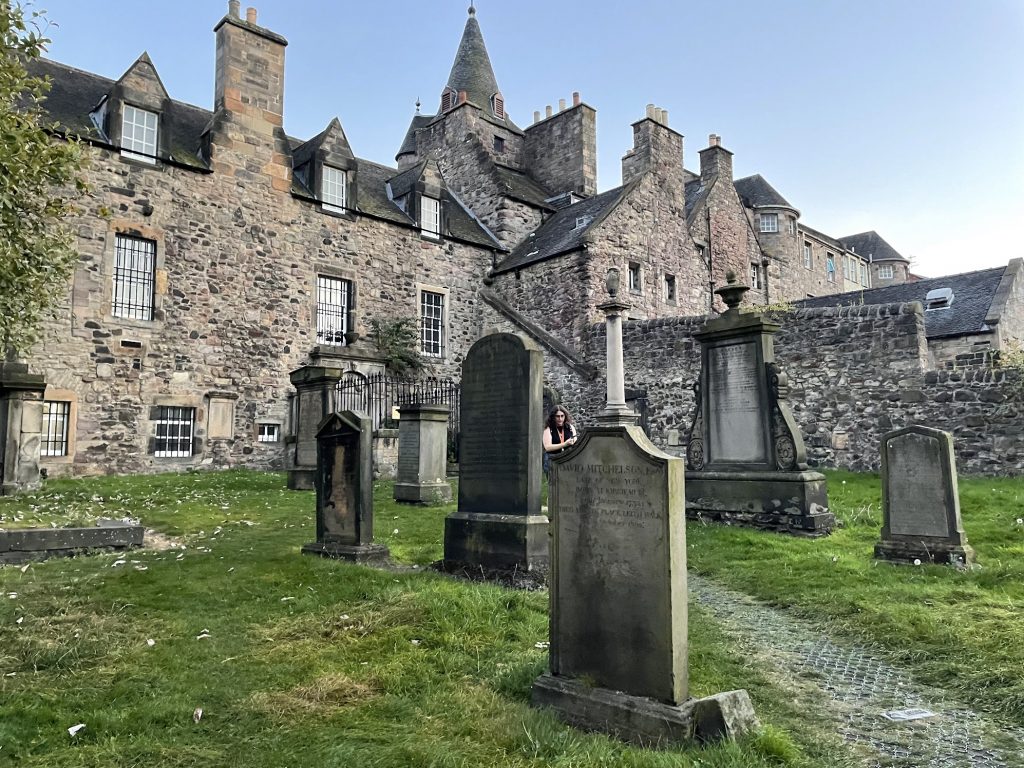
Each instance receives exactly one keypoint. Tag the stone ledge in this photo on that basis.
(940, 552)
(42, 543)
(353, 553)
(643, 721)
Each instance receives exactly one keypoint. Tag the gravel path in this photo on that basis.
(855, 688)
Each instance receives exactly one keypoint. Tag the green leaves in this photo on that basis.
(397, 339)
(40, 176)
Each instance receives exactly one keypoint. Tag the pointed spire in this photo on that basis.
(472, 70)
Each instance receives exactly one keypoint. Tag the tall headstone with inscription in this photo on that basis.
(423, 454)
(344, 490)
(746, 458)
(499, 524)
(920, 502)
(618, 631)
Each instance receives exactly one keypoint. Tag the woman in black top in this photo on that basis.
(559, 433)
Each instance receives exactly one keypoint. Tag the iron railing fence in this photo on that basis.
(380, 395)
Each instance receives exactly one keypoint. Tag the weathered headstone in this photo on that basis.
(618, 626)
(423, 454)
(21, 419)
(746, 456)
(920, 501)
(344, 490)
(498, 524)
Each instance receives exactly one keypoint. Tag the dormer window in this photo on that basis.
(582, 221)
(99, 117)
(430, 216)
(885, 271)
(498, 105)
(769, 222)
(139, 134)
(334, 189)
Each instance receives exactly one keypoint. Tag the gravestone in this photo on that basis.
(920, 501)
(617, 585)
(344, 490)
(21, 420)
(423, 454)
(498, 524)
(746, 458)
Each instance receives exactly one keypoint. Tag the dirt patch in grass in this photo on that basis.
(322, 696)
(159, 541)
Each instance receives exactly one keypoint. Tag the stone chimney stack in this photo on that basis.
(561, 148)
(656, 147)
(715, 160)
(250, 68)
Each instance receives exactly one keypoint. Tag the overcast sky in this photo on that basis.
(900, 116)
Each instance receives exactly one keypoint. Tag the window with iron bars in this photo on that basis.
(134, 271)
(174, 427)
(432, 339)
(56, 416)
(333, 300)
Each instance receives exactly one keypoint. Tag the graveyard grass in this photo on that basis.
(296, 660)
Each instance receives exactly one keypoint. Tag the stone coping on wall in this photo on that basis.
(41, 543)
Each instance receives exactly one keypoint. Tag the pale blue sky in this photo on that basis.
(901, 116)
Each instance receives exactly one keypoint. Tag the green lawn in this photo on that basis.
(300, 661)
(961, 630)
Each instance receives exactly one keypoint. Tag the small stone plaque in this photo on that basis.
(736, 404)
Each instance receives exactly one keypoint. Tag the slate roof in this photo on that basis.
(822, 236)
(755, 192)
(694, 192)
(559, 234)
(523, 187)
(409, 142)
(871, 244)
(74, 94)
(972, 297)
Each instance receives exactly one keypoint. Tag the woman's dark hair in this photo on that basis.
(554, 412)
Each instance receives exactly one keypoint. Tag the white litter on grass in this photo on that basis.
(197, 714)
(902, 715)
(394, 532)
(20, 619)
(116, 563)
(25, 567)
(12, 595)
(415, 642)
(141, 567)
(75, 729)
(204, 635)
(541, 645)
(151, 642)
(286, 599)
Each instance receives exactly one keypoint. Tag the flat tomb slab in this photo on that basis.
(644, 721)
(40, 543)
(793, 502)
(353, 553)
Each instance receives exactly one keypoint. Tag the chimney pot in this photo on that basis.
(664, 117)
(547, 111)
(575, 98)
(651, 112)
(234, 6)
(536, 115)
(250, 15)
(561, 105)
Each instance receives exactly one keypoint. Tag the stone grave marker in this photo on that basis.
(498, 524)
(746, 458)
(423, 454)
(618, 626)
(344, 490)
(920, 501)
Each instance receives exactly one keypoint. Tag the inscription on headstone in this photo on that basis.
(736, 411)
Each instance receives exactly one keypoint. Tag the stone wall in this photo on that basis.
(855, 373)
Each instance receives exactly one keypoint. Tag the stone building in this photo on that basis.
(220, 256)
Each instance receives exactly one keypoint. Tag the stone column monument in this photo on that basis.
(746, 458)
(344, 490)
(423, 454)
(618, 626)
(498, 525)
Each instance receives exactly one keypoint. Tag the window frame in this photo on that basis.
(634, 277)
(48, 434)
(671, 293)
(808, 251)
(170, 446)
(330, 287)
(885, 272)
(272, 434)
(138, 147)
(436, 346)
(755, 277)
(330, 200)
(434, 212)
(126, 280)
(830, 267)
(769, 223)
